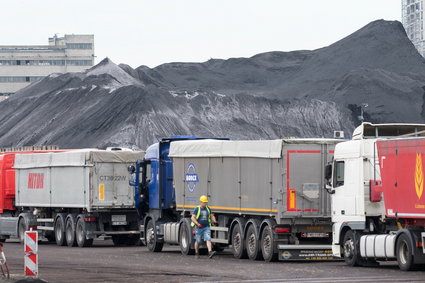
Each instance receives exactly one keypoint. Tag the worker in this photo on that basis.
(202, 219)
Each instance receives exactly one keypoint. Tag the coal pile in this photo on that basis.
(270, 95)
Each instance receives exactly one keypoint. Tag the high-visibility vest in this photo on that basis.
(199, 214)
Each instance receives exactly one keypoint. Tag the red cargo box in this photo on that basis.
(7, 178)
(402, 174)
(7, 182)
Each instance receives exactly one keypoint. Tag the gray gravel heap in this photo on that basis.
(270, 95)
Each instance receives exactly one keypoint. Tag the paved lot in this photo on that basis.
(105, 263)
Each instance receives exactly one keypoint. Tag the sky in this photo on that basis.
(142, 32)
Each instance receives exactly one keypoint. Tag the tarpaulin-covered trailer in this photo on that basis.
(282, 178)
(75, 196)
(273, 186)
(93, 180)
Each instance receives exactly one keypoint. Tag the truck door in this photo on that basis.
(346, 185)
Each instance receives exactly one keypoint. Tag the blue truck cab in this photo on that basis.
(154, 192)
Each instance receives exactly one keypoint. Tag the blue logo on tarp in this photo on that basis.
(191, 177)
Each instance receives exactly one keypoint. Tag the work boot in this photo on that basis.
(211, 254)
(197, 255)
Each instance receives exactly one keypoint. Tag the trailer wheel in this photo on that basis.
(238, 245)
(185, 239)
(80, 233)
(351, 249)
(70, 231)
(267, 244)
(22, 227)
(60, 230)
(404, 253)
(252, 243)
(152, 238)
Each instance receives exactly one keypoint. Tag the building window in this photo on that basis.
(79, 62)
(19, 79)
(79, 45)
(32, 62)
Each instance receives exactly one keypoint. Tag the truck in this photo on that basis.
(376, 183)
(69, 197)
(267, 195)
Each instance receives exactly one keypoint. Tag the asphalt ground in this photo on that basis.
(106, 263)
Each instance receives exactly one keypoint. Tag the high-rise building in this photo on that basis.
(413, 21)
(22, 65)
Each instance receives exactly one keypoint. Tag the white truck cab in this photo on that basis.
(357, 209)
(353, 169)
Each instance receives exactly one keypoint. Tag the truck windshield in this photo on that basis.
(339, 174)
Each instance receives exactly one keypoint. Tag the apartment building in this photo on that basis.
(21, 65)
(412, 16)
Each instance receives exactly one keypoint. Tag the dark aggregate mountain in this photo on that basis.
(270, 95)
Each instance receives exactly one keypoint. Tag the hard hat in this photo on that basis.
(203, 199)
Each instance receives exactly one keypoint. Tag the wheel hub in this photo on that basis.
(150, 236)
(349, 248)
(184, 239)
(251, 242)
(237, 241)
(267, 244)
(403, 253)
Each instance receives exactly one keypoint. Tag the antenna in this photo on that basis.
(361, 117)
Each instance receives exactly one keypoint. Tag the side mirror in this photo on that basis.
(328, 172)
(329, 189)
(131, 169)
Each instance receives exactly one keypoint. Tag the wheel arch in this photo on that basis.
(256, 223)
(28, 218)
(409, 235)
(242, 223)
(185, 221)
(267, 222)
(355, 225)
(146, 221)
(59, 215)
(73, 217)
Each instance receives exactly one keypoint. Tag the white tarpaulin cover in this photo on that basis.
(75, 158)
(224, 148)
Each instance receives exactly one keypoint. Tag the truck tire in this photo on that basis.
(81, 234)
(152, 238)
(351, 249)
(60, 230)
(185, 238)
(22, 227)
(404, 253)
(267, 244)
(252, 242)
(238, 242)
(70, 231)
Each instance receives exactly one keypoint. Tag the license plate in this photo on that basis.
(119, 220)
